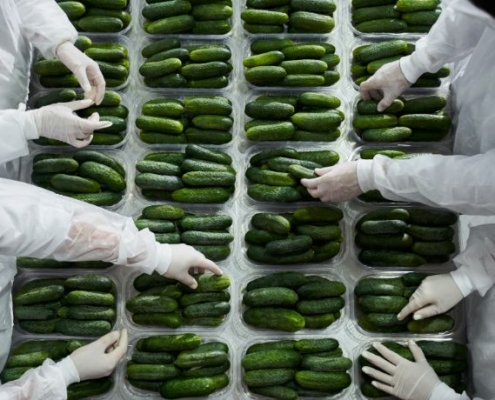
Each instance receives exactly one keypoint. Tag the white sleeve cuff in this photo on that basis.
(411, 71)
(462, 280)
(30, 129)
(444, 392)
(68, 371)
(365, 175)
(164, 257)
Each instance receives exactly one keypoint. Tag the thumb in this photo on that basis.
(385, 103)
(109, 339)
(78, 104)
(188, 280)
(426, 312)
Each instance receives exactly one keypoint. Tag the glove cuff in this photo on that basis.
(69, 371)
(31, 126)
(409, 68)
(443, 392)
(365, 175)
(66, 44)
(163, 258)
(462, 280)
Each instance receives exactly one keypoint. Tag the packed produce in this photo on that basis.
(289, 369)
(46, 263)
(169, 63)
(291, 301)
(283, 62)
(380, 299)
(198, 175)
(168, 303)
(405, 237)
(308, 117)
(178, 366)
(81, 305)
(85, 175)
(196, 119)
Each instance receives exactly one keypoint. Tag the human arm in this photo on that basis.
(47, 27)
(95, 360)
(39, 223)
(459, 183)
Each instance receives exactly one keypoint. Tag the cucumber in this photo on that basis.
(326, 364)
(274, 318)
(426, 122)
(383, 25)
(265, 75)
(320, 233)
(320, 306)
(276, 392)
(319, 321)
(152, 358)
(318, 290)
(89, 298)
(161, 10)
(160, 343)
(170, 25)
(378, 286)
(271, 359)
(94, 282)
(196, 358)
(279, 279)
(298, 244)
(421, 17)
(434, 218)
(258, 254)
(39, 295)
(307, 346)
(381, 304)
(439, 323)
(208, 297)
(83, 328)
(158, 167)
(206, 222)
(268, 346)
(152, 304)
(201, 195)
(373, 13)
(311, 22)
(187, 387)
(104, 175)
(443, 367)
(274, 57)
(262, 377)
(443, 350)
(152, 372)
(264, 17)
(274, 296)
(171, 320)
(277, 131)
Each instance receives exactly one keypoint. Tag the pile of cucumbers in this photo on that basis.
(85, 175)
(178, 366)
(380, 299)
(369, 58)
(197, 17)
(309, 117)
(299, 16)
(405, 237)
(291, 301)
(282, 62)
(207, 233)
(275, 173)
(112, 58)
(395, 16)
(308, 234)
(200, 175)
(170, 64)
(111, 109)
(196, 119)
(448, 359)
(374, 196)
(289, 369)
(97, 16)
(32, 353)
(416, 120)
(168, 303)
(82, 305)
(46, 263)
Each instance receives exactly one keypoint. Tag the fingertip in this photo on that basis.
(417, 317)
(374, 383)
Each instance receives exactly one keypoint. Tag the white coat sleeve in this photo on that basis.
(476, 264)
(48, 381)
(451, 39)
(443, 392)
(45, 25)
(15, 130)
(459, 183)
(39, 223)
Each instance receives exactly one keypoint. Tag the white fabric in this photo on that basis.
(465, 35)
(444, 392)
(48, 381)
(408, 380)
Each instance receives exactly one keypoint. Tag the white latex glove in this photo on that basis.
(99, 359)
(85, 69)
(58, 121)
(185, 257)
(436, 295)
(334, 184)
(386, 85)
(399, 377)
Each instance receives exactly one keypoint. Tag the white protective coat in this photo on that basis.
(43, 24)
(465, 36)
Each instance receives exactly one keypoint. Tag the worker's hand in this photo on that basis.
(99, 359)
(85, 69)
(436, 295)
(334, 184)
(58, 121)
(399, 377)
(185, 257)
(386, 85)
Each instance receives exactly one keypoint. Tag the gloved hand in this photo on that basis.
(402, 378)
(99, 359)
(436, 294)
(58, 121)
(185, 257)
(386, 85)
(85, 69)
(334, 184)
